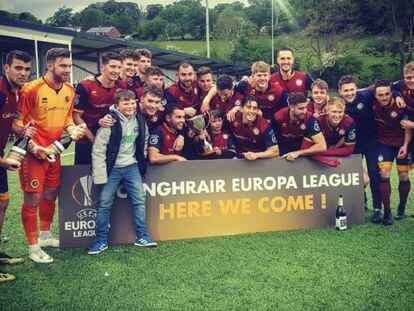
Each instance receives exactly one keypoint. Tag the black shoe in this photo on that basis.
(400, 214)
(387, 219)
(376, 217)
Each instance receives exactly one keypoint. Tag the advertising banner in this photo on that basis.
(193, 199)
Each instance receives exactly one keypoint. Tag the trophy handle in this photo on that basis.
(207, 117)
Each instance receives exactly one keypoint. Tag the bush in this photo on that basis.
(346, 65)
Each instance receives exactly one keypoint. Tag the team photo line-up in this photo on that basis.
(126, 116)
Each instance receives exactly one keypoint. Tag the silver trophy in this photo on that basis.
(198, 124)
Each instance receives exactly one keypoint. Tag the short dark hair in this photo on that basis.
(153, 90)
(382, 83)
(285, 49)
(16, 54)
(184, 64)
(122, 94)
(54, 53)
(108, 56)
(216, 113)
(143, 52)
(153, 71)
(249, 98)
(171, 107)
(129, 53)
(203, 71)
(224, 82)
(346, 80)
(296, 98)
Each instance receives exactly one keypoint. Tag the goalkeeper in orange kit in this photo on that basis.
(48, 103)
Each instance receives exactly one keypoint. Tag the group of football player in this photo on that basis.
(286, 114)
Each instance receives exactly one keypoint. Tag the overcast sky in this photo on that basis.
(45, 8)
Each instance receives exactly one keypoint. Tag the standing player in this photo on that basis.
(294, 125)
(149, 106)
(253, 136)
(185, 91)
(153, 76)
(204, 81)
(17, 71)
(144, 61)
(290, 80)
(319, 97)
(393, 144)
(48, 102)
(93, 99)
(270, 97)
(161, 149)
(129, 69)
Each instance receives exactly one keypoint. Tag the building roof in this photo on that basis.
(101, 29)
(86, 46)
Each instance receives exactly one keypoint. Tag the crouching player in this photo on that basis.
(394, 142)
(118, 155)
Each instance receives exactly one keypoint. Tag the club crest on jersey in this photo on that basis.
(270, 97)
(67, 99)
(34, 183)
(153, 140)
(393, 114)
(154, 119)
(256, 131)
(181, 98)
(299, 82)
(225, 136)
(237, 102)
(360, 106)
(195, 91)
(341, 132)
(380, 158)
(303, 127)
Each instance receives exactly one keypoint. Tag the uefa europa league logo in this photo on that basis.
(82, 191)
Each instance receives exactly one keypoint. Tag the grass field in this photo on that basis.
(368, 267)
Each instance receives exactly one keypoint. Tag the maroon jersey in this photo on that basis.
(388, 120)
(290, 133)
(408, 96)
(93, 101)
(346, 129)
(255, 137)
(156, 120)
(8, 111)
(162, 139)
(133, 85)
(299, 82)
(311, 107)
(176, 94)
(223, 140)
(271, 100)
(235, 100)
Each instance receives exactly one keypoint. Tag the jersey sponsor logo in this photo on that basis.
(154, 119)
(256, 131)
(316, 127)
(44, 100)
(303, 127)
(393, 114)
(352, 135)
(341, 132)
(360, 106)
(270, 97)
(10, 115)
(153, 140)
(380, 158)
(299, 82)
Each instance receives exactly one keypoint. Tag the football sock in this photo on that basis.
(385, 190)
(46, 212)
(29, 219)
(404, 189)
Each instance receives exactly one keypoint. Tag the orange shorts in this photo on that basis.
(36, 174)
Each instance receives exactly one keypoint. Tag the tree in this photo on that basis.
(153, 10)
(328, 24)
(28, 17)
(61, 18)
(91, 17)
(152, 29)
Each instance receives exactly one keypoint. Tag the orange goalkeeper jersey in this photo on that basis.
(50, 109)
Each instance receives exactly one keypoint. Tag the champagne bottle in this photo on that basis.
(19, 149)
(60, 145)
(341, 221)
